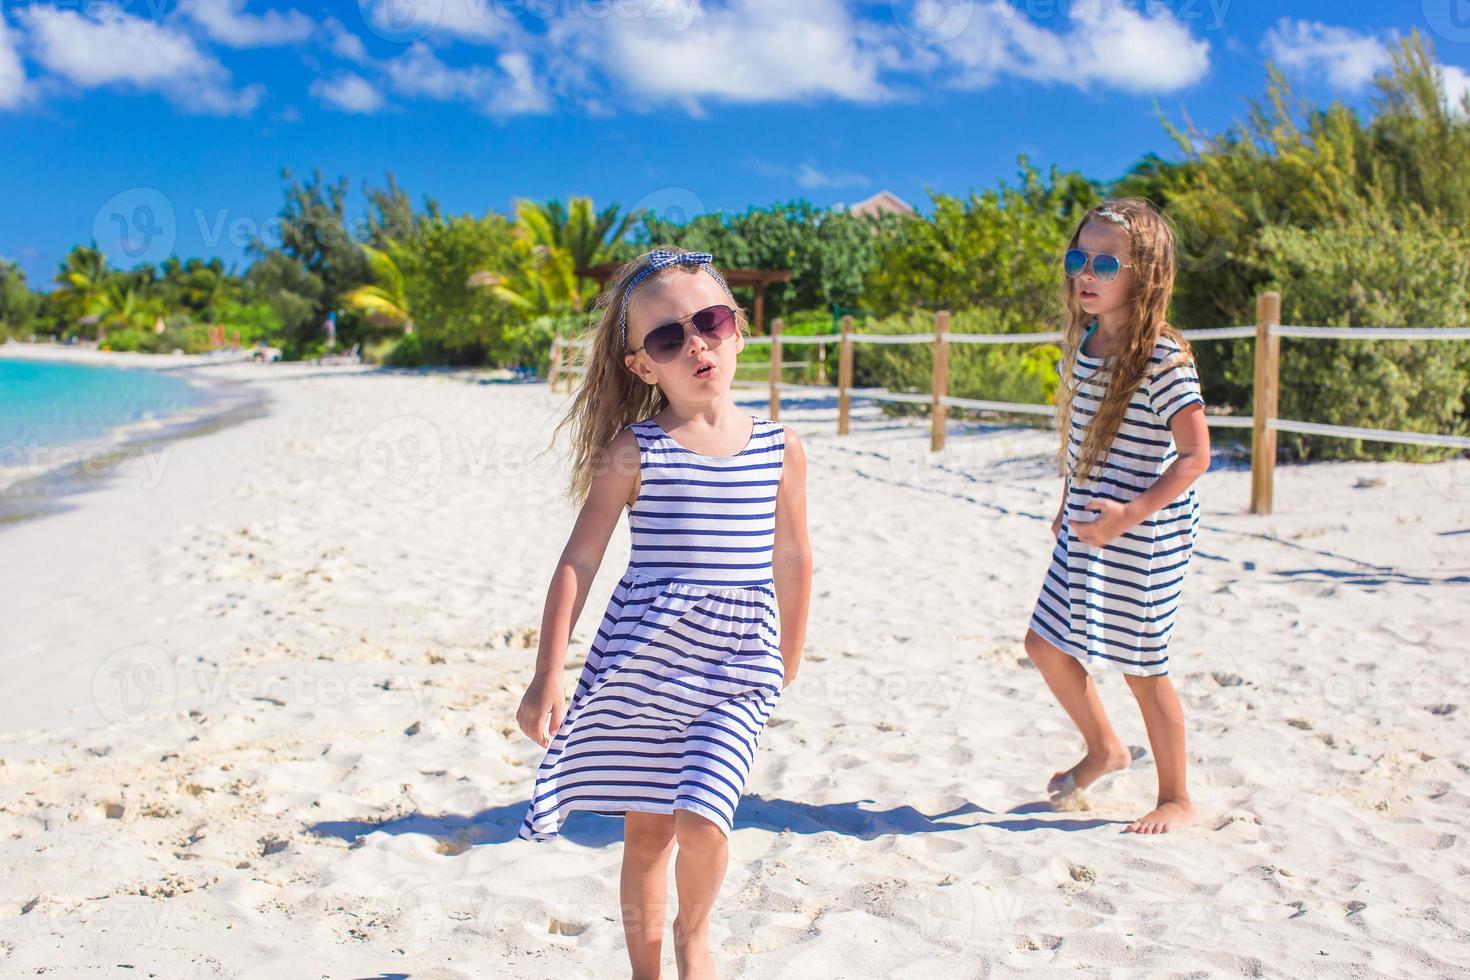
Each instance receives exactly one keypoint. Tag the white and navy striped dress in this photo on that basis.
(686, 666)
(1115, 606)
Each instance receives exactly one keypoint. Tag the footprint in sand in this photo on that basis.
(1036, 944)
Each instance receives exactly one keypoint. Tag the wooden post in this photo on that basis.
(939, 413)
(844, 376)
(776, 326)
(760, 308)
(555, 360)
(1263, 437)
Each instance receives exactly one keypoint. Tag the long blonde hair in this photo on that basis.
(610, 396)
(1151, 252)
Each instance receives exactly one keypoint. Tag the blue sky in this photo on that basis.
(161, 126)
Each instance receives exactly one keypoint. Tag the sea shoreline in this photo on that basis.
(35, 489)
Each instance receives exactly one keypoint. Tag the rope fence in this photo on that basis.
(1264, 424)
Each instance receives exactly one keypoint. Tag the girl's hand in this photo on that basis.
(790, 664)
(1112, 520)
(1056, 525)
(541, 701)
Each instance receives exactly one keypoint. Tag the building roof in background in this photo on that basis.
(881, 202)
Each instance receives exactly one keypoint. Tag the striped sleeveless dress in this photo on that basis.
(686, 666)
(1115, 606)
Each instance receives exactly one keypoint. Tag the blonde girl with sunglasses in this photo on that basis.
(1133, 442)
(705, 628)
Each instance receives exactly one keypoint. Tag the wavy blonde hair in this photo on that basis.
(610, 396)
(1151, 252)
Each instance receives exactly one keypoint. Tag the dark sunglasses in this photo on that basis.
(1104, 266)
(664, 342)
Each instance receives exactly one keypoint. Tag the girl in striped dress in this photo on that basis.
(705, 628)
(1134, 440)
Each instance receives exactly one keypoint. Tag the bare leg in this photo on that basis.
(648, 840)
(1074, 689)
(1163, 716)
(699, 870)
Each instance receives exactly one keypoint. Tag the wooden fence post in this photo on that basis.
(555, 360)
(844, 377)
(939, 413)
(1267, 387)
(775, 411)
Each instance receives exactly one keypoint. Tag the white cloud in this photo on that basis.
(739, 51)
(1107, 42)
(522, 91)
(509, 88)
(418, 71)
(1456, 82)
(344, 43)
(809, 176)
(1349, 59)
(112, 48)
(349, 93)
(225, 21)
(13, 87)
(625, 55)
(472, 20)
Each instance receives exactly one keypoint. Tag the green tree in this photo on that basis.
(443, 268)
(315, 233)
(996, 250)
(551, 242)
(18, 304)
(829, 253)
(82, 279)
(386, 298)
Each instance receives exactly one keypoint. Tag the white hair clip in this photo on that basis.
(1112, 215)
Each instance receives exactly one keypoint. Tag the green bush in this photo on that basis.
(993, 372)
(134, 339)
(408, 352)
(1370, 271)
(528, 343)
(754, 362)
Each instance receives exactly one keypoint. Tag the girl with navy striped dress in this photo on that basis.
(705, 628)
(1133, 442)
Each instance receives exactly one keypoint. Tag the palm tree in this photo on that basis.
(386, 298)
(202, 285)
(82, 280)
(552, 242)
(123, 305)
(541, 280)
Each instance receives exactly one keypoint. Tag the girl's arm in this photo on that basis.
(791, 558)
(543, 705)
(1192, 441)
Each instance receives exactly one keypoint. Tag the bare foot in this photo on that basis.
(1167, 816)
(1114, 758)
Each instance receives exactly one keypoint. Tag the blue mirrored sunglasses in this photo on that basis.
(1104, 266)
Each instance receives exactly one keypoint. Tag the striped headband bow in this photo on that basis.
(662, 258)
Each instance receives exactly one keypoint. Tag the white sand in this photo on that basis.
(286, 656)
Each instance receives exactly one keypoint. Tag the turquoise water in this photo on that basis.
(46, 403)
